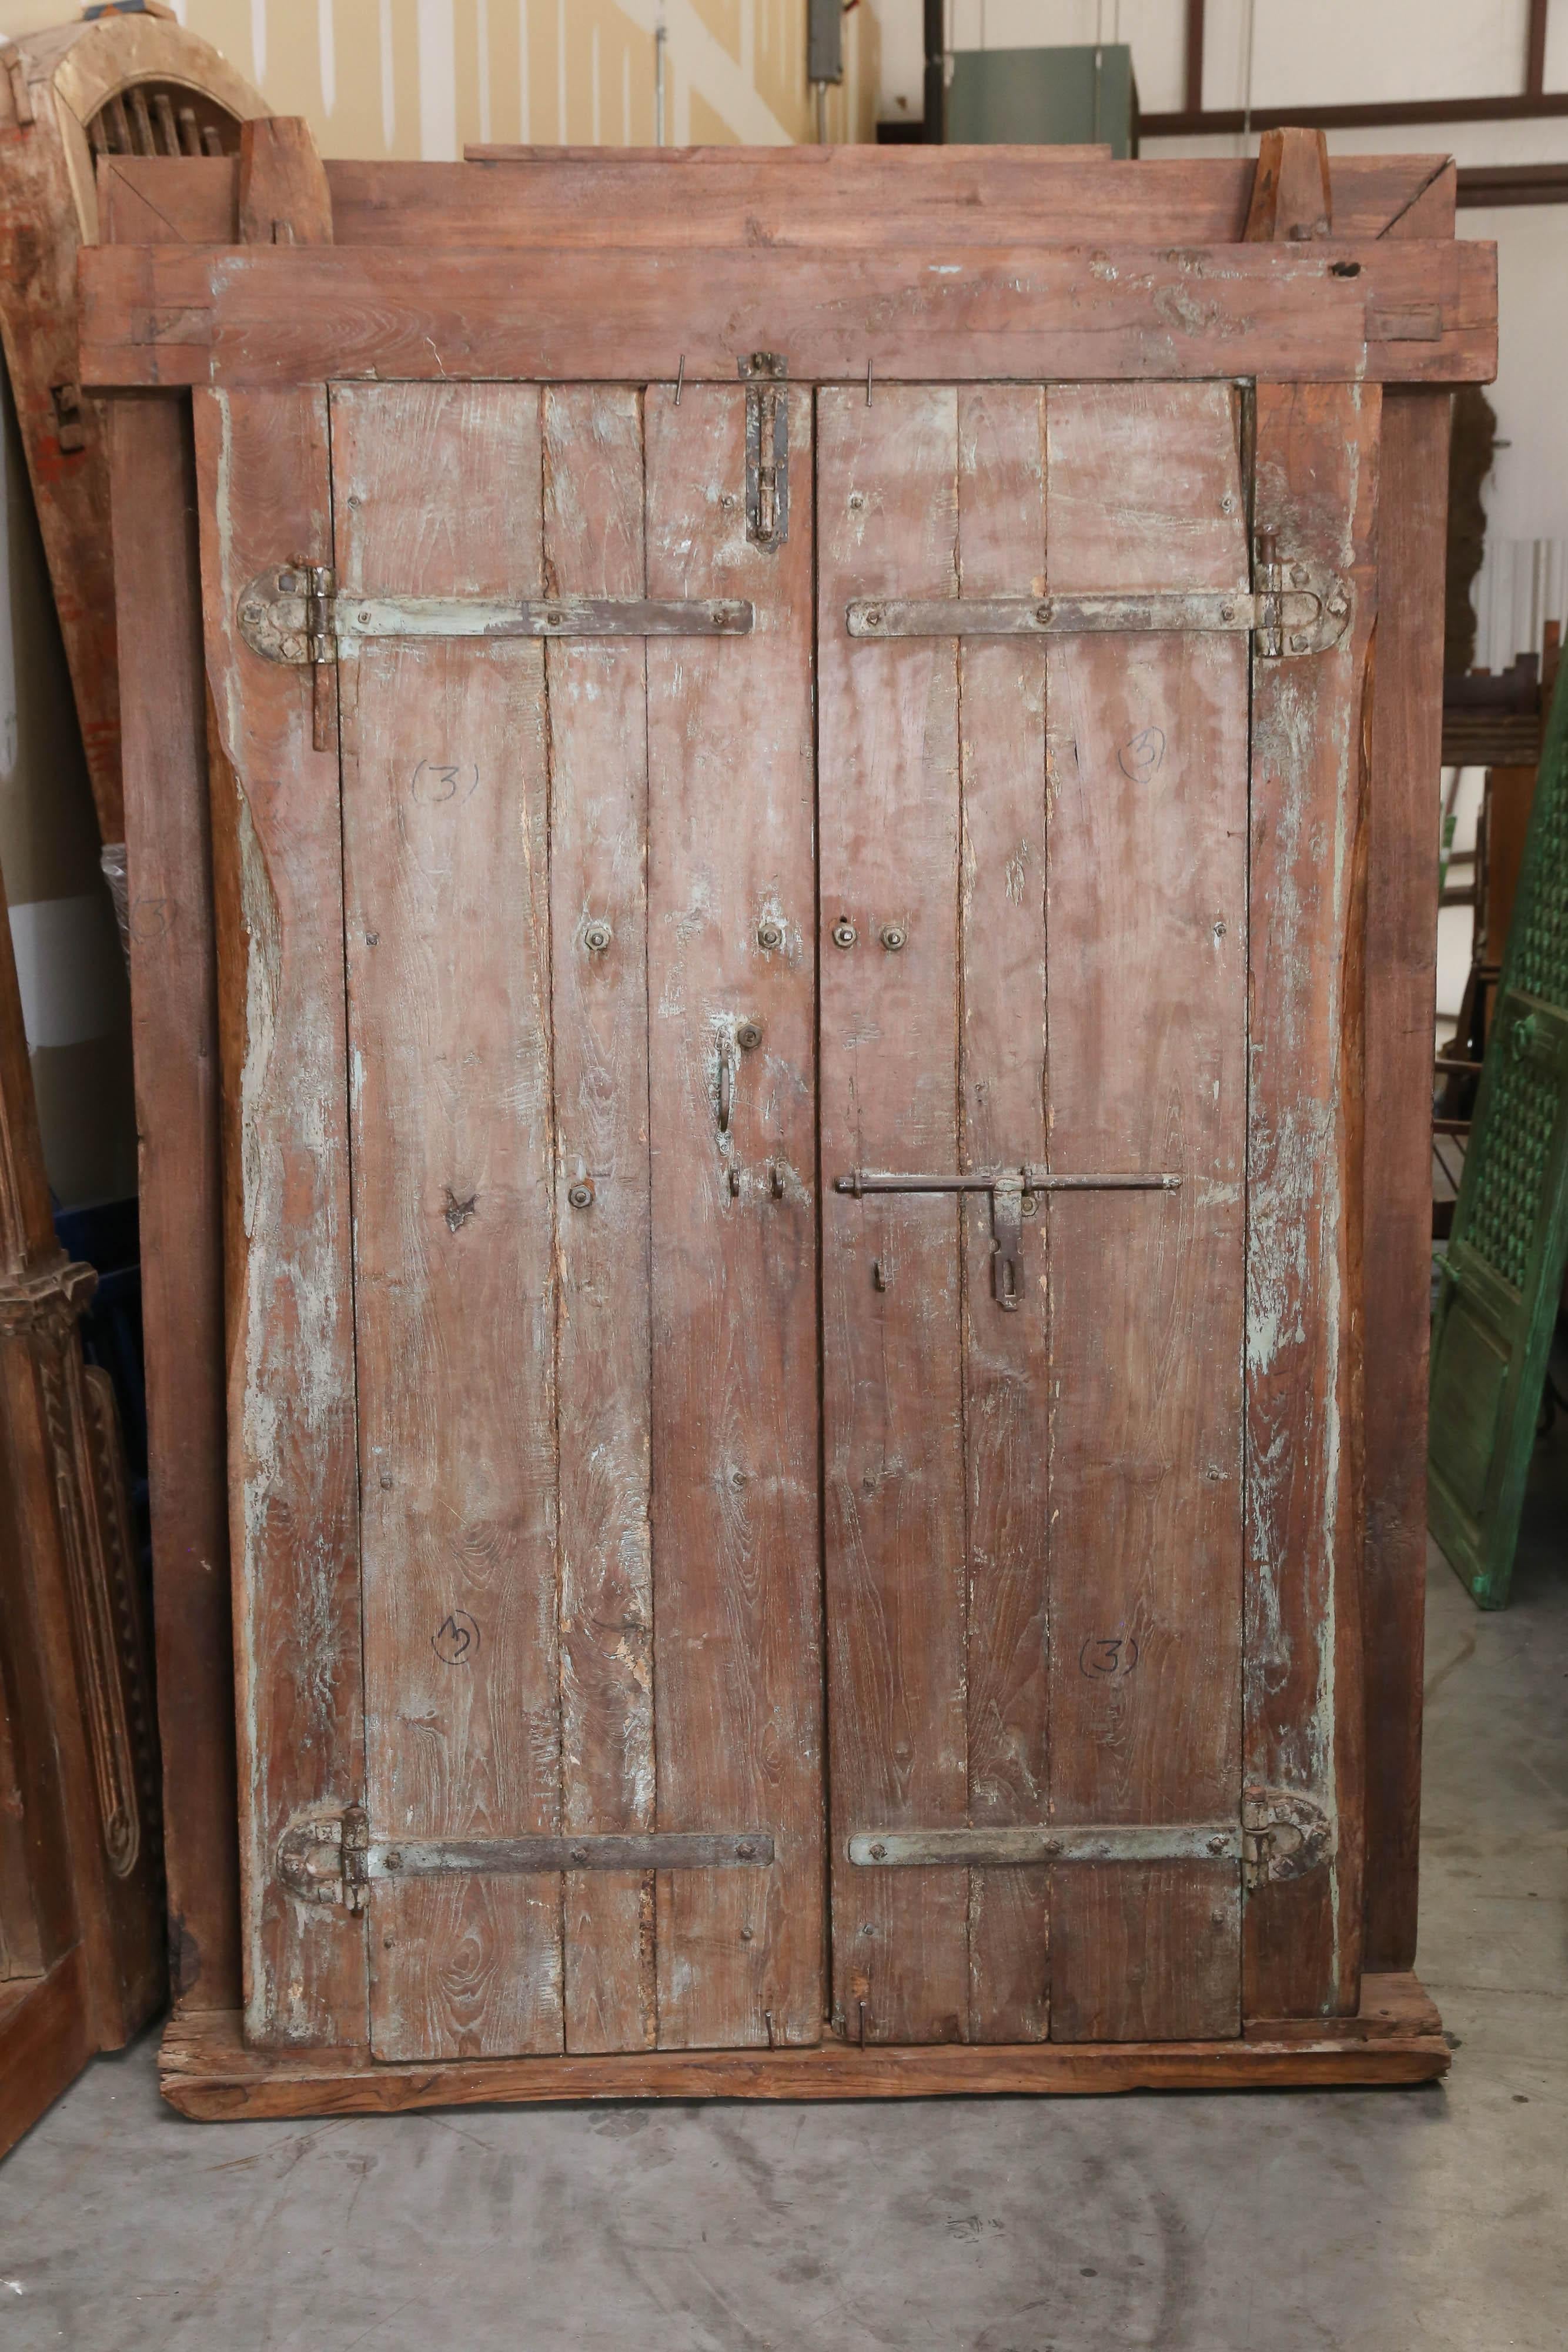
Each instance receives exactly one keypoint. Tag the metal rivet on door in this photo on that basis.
(844, 935)
(893, 936)
(748, 1035)
(596, 936)
(770, 934)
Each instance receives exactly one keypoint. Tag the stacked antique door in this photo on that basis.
(626, 1448)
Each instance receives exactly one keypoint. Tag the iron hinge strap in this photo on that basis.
(1307, 614)
(1280, 1835)
(1014, 1196)
(298, 613)
(331, 1857)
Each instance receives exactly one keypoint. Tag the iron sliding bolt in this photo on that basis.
(1015, 1195)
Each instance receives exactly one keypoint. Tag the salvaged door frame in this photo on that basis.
(1398, 949)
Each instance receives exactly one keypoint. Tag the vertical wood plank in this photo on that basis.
(437, 491)
(735, 1493)
(1147, 919)
(1001, 1043)
(895, 1570)
(1401, 942)
(262, 473)
(1317, 449)
(598, 815)
(173, 1016)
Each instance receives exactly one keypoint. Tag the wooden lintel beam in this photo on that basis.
(1320, 311)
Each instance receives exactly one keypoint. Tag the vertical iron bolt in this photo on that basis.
(748, 1035)
(893, 936)
(596, 936)
(770, 934)
(844, 935)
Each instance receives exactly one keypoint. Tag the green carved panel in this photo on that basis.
(1503, 1275)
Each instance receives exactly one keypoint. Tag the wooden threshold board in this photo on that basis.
(207, 2071)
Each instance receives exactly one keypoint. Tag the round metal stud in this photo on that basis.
(596, 936)
(748, 1035)
(893, 936)
(581, 1196)
(871, 617)
(393, 1861)
(770, 934)
(844, 935)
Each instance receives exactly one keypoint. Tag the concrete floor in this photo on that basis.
(1337, 2221)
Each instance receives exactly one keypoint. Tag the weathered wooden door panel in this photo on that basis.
(1316, 489)
(437, 492)
(732, 1007)
(1146, 914)
(265, 491)
(1099, 1424)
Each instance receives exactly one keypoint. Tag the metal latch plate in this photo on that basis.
(1308, 616)
(330, 1857)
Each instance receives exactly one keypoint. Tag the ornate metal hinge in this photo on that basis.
(1296, 609)
(1014, 1194)
(767, 449)
(331, 1857)
(1285, 1833)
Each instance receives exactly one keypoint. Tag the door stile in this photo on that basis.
(1001, 1046)
(596, 704)
(264, 478)
(440, 491)
(1317, 449)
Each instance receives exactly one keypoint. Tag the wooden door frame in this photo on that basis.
(173, 968)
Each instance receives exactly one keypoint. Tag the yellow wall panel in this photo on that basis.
(426, 77)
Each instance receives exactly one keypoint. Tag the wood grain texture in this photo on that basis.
(46, 2039)
(1001, 1093)
(594, 542)
(895, 1574)
(736, 1613)
(1401, 936)
(1291, 197)
(206, 2072)
(173, 1012)
(283, 194)
(751, 197)
(263, 485)
(1316, 487)
(437, 491)
(1396, 311)
(1147, 919)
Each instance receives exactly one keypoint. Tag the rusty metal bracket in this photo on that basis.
(767, 449)
(1281, 1834)
(1014, 1194)
(331, 1857)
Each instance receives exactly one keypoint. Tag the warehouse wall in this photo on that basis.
(421, 78)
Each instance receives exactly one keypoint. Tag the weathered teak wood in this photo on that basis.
(57, 82)
(736, 1479)
(1291, 192)
(1316, 489)
(283, 196)
(1147, 924)
(1400, 312)
(1396, 2038)
(1401, 946)
(263, 479)
(757, 198)
(446, 919)
(173, 1012)
(1412, 206)
(81, 1960)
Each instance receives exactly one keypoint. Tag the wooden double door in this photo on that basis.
(739, 1328)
